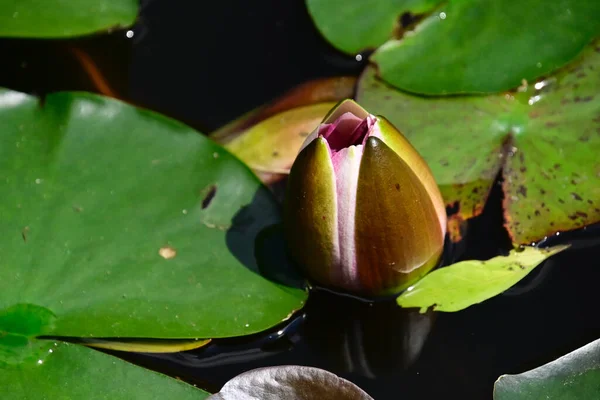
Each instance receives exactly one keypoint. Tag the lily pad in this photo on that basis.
(475, 46)
(289, 382)
(544, 136)
(60, 18)
(73, 372)
(124, 223)
(356, 25)
(465, 283)
(571, 377)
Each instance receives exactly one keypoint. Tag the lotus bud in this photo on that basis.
(363, 213)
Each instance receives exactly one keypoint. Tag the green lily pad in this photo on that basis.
(73, 372)
(60, 18)
(124, 223)
(571, 377)
(18, 324)
(356, 25)
(465, 283)
(465, 46)
(476, 46)
(545, 137)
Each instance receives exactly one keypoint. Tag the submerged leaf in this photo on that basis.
(60, 19)
(289, 382)
(545, 136)
(465, 283)
(574, 376)
(147, 345)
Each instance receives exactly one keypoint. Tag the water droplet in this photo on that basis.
(40, 362)
(358, 57)
(129, 34)
(38, 181)
(442, 15)
(215, 155)
(247, 325)
(184, 211)
(539, 65)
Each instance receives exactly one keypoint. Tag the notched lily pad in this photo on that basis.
(545, 136)
(356, 25)
(104, 222)
(289, 382)
(465, 283)
(472, 46)
(571, 377)
(19, 325)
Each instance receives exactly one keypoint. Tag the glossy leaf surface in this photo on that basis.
(465, 283)
(60, 18)
(72, 372)
(123, 223)
(463, 46)
(355, 25)
(571, 377)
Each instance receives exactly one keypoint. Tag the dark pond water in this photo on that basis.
(208, 62)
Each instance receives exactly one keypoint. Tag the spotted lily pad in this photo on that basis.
(73, 372)
(124, 223)
(545, 137)
(60, 18)
(465, 283)
(571, 377)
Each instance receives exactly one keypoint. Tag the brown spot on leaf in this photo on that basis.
(397, 186)
(522, 190)
(576, 196)
(24, 233)
(167, 252)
